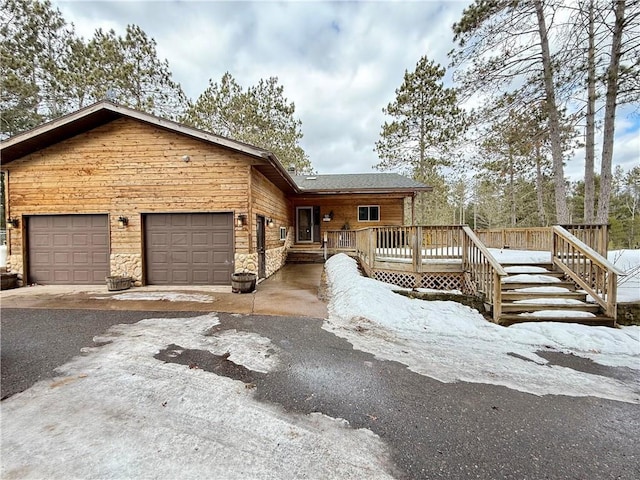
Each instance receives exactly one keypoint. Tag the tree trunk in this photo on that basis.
(542, 218)
(562, 213)
(513, 193)
(610, 114)
(589, 157)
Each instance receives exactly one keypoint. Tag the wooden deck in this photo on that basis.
(454, 257)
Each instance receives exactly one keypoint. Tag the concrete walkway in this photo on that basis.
(292, 291)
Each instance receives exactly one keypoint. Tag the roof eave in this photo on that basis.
(333, 191)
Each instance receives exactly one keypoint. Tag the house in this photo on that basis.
(108, 190)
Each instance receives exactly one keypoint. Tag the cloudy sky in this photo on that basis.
(339, 62)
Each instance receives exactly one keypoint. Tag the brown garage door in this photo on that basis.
(68, 249)
(189, 248)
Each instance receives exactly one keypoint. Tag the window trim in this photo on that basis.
(283, 234)
(368, 207)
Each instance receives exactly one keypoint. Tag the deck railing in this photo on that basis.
(484, 270)
(415, 244)
(586, 267)
(343, 240)
(540, 238)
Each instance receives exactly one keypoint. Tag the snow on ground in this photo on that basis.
(530, 278)
(520, 256)
(525, 269)
(550, 301)
(629, 262)
(119, 413)
(451, 342)
(166, 296)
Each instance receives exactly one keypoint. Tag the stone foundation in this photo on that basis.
(16, 265)
(246, 262)
(127, 265)
(276, 258)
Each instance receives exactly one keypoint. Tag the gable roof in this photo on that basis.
(103, 112)
(358, 182)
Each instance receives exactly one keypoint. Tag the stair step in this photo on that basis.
(598, 320)
(546, 274)
(546, 265)
(517, 285)
(305, 257)
(511, 295)
(537, 307)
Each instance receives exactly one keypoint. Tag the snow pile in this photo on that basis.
(120, 413)
(451, 342)
(162, 296)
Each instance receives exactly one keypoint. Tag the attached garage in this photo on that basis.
(68, 249)
(188, 248)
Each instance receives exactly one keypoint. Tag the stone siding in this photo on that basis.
(15, 265)
(246, 262)
(276, 258)
(127, 265)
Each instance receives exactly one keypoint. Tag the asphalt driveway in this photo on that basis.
(434, 430)
(33, 342)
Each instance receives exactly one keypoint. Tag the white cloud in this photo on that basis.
(340, 62)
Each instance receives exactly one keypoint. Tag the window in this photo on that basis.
(369, 213)
(283, 234)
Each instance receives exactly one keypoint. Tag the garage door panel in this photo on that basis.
(188, 255)
(223, 221)
(200, 276)
(202, 239)
(60, 240)
(80, 239)
(201, 258)
(179, 239)
(68, 249)
(159, 239)
(180, 276)
(61, 258)
(159, 258)
(180, 257)
(99, 240)
(80, 258)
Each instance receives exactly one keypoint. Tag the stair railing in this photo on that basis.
(485, 271)
(587, 268)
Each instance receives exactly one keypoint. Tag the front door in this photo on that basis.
(260, 245)
(304, 228)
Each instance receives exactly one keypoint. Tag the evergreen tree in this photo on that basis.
(426, 123)
(260, 115)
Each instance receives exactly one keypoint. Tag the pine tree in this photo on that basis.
(426, 123)
(259, 115)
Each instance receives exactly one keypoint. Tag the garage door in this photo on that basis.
(68, 249)
(189, 248)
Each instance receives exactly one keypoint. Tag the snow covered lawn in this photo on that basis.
(451, 342)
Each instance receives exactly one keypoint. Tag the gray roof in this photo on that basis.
(358, 182)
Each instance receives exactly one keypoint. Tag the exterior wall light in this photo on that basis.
(123, 222)
(270, 223)
(241, 220)
(13, 223)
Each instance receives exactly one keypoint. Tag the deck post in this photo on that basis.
(417, 249)
(497, 297)
(372, 250)
(612, 296)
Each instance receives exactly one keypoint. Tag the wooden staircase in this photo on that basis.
(539, 293)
